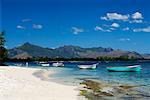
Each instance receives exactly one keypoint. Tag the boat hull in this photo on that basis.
(45, 65)
(125, 69)
(88, 66)
(58, 64)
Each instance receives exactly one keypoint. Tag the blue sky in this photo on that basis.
(120, 24)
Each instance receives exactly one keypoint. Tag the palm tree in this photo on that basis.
(3, 50)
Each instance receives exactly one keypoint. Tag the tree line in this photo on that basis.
(3, 50)
(121, 58)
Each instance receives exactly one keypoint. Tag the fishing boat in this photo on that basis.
(58, 64)
(134, 68)
(19, 65)
(93, 66)
(44, 64)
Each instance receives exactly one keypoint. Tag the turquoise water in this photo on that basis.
(70, 74)
(74, 73)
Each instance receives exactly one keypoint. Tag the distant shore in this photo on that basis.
(73, 61)
(18, 83)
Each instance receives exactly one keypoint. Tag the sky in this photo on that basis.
(119, 24)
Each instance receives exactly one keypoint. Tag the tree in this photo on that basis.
(3, 50)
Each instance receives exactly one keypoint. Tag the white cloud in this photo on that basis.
(77, 30)
(115, 16)
(126, 29)
(137, 15)
(147, 29)
(98, 28)
(116, 25)
(104, 18)
(20, 27)
(112, 28)
(137, 18)
(26, 20)
(136, 21)
(37, 26)
(124, 39)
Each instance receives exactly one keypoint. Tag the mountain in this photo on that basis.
(146, 56)
(30, 50)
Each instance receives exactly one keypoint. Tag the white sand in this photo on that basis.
(19, 84)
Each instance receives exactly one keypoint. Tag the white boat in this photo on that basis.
(93, 66)
(44, 64)
(58, 64)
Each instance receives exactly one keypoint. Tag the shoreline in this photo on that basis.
(106, 90)
(19, 83)
(101, 90)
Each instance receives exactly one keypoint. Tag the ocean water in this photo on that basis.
(70, 74)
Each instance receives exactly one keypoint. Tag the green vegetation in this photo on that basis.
(3, 50)
(121, 58)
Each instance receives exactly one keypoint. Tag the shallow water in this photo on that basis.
(70, 74)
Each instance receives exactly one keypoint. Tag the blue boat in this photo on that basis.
(134, 68)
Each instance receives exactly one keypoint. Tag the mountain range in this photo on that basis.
(28, 50)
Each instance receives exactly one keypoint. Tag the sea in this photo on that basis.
(70, 74)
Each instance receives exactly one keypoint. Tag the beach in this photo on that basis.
(19, 83)
(71, 83)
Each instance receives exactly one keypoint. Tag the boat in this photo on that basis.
(93, 66)
(58, 64)
(44, 64)
(134, 68)
(19, 65)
